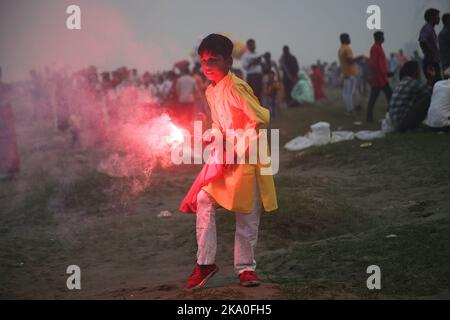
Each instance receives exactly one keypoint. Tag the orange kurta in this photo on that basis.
(234, 106)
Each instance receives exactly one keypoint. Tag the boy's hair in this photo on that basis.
(377, 36)
(446, 19)
(430, 13)
(216, 44)
(410, 69)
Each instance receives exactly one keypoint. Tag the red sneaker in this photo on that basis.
(249, 279)
(200, 276)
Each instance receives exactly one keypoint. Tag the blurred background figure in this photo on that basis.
(270, 93)
(251, 62)
(290, 68)
(303, 92)
(318, 81)
(429, 43)
(9, 154)
(444, 42)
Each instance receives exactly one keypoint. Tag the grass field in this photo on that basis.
(342, 208)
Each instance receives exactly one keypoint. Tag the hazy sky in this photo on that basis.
(152, 34)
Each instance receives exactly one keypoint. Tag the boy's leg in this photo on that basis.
(205, 267)
(206, 229)
(246, 236)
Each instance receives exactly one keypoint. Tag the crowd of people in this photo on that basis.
(94, 102)
(412, 101)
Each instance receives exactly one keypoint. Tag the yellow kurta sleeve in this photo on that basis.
(249, 104)
(258, 116)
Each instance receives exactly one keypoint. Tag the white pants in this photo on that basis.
(349, 93)
(245, 239)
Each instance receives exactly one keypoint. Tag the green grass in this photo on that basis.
(86, 191)
(413, 264)
(337, 204)
(352, 198)
(310, 209)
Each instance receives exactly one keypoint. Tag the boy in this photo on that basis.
(240, 188)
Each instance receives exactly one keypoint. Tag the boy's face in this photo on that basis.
(215, 67)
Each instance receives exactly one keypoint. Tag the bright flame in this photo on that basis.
(176, 136)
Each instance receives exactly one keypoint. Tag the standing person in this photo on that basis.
(363, 77)
(349, 69)
(185, 90)
(429, 43)
(402, 59)
(444, 42)
(394, 69)
(416, 57)
(320, 65)
(251, 62)
(271, 87)
(334, 74)
(271, 76)
(318, 82)
(37, 94)
(239, 188)
(379, 74)
(268, 65)
(9, 154)
(290, 68)
(134, 78)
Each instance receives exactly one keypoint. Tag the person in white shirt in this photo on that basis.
(251, 62)
(185, 88)
(165, 86)
(185, 92)
(439, 112)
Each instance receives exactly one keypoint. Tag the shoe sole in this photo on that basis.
(249, 284)
(203, 283)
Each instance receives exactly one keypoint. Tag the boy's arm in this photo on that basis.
(249, 104)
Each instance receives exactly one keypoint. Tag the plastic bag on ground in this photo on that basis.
(298, 144)
(338, 136)
(369, 135)
(386, 125)
(320, 133)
